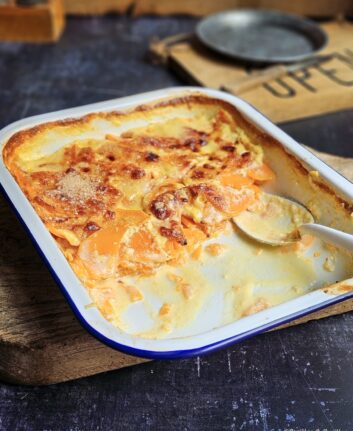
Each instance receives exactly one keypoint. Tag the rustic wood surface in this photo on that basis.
(316, 8)
(303, 93)
(298, 378)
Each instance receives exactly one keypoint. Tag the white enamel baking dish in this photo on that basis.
(204, 338)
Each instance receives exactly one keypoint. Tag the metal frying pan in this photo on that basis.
(262, 36)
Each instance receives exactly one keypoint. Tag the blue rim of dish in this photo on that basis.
(171, 354)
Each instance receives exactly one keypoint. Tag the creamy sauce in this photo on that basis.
(241, 280)
(273, 219)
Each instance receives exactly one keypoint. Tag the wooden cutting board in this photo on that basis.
(304, 93)
(315, 8)
(41, 342)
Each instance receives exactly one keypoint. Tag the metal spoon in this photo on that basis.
(277, 221)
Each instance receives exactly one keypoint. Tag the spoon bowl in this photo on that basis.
(277, 221)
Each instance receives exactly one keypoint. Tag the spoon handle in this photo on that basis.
(332, 236)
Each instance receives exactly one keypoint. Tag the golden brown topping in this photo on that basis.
(228, 148)
(86, 155)
(160, 209)
(193, 144)
(165, 204)
(133, 171)
(76, 187)
(91, 226)
(158, 142)
(182, 195)
(198, 175)
(151, 157)
(137, 173)
(245, 157)
(174, 232)
(215, 198)
(109, 215)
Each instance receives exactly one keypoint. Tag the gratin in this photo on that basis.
(143, 208)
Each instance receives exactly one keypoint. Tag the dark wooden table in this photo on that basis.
(299, 378)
